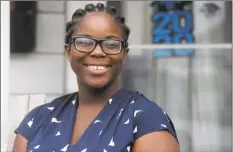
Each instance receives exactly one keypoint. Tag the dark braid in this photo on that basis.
(79, 14)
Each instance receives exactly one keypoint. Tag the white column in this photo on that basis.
(207, 98)
(134, 12)
(71, 84)
(5, 56)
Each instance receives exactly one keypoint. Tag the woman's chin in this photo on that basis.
(97, 84)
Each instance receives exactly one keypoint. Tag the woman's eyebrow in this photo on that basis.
(112, 37)
(84, 35)
(89, 36)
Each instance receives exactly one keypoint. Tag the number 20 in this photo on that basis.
(174, 20)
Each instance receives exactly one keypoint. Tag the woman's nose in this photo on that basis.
(98, 51)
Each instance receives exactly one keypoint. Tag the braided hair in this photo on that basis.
(80, 13)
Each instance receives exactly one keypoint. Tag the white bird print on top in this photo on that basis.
(84, 150)
(163, 125)
(110, 101)
(55, 120)
(136, 112)
(73, 102)
(105, 150)
(127, 122)
(50, 108)
(96, 121)
(30, 123)
(132, 102)
(135, 129)
(111, 143)
(128, 148)
(58, 133)
(65, 148)
(36, 147)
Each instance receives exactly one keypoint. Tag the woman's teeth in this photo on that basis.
(95, 67)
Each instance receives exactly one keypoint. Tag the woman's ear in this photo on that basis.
(67, 51)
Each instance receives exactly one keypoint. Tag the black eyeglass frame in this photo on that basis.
(97, 41)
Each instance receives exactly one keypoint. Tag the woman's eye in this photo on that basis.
(112, 43)
(83, 41)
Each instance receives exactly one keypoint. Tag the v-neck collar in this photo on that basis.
(109, 108)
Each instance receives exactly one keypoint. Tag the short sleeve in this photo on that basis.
(28, 125)
(149, 117)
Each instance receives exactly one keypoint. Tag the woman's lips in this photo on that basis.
(97, 69)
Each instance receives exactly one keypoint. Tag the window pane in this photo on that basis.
(179, 21)
(195, 91)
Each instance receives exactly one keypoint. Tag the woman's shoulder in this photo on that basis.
(54, 104)
(149, 116)
(142, 102)
(41, 115)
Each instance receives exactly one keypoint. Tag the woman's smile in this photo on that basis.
(97, 69)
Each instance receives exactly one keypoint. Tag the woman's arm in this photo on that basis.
(20, 144)
(161, 141)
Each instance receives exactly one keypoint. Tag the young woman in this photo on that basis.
(101, 116)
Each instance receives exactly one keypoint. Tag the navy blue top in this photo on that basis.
(127, 116)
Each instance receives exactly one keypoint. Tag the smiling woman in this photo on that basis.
(101, 116)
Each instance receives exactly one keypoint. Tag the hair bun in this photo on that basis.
(113, 9)
(122, 20)
(90, 7)
(100, 6)
(78, 13)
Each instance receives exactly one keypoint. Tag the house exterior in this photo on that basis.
(195, 91)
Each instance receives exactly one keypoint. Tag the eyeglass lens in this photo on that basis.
(108, 46)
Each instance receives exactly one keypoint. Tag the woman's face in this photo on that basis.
(96, 69)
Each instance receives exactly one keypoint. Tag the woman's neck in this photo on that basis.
(94, 96)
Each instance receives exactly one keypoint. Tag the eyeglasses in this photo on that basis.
(109, 46)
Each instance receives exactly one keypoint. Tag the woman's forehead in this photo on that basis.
(99, 25)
